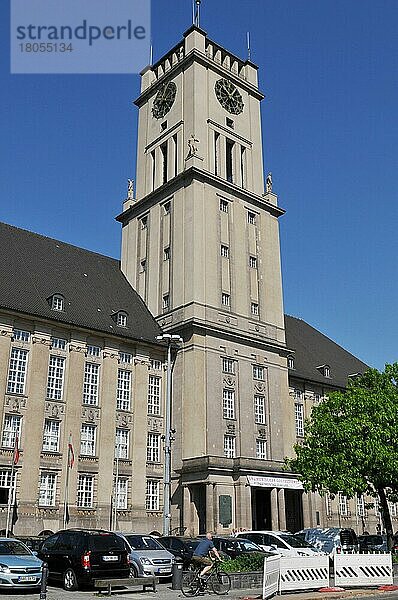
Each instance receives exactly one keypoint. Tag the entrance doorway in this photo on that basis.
(261, 508)
(294, 510)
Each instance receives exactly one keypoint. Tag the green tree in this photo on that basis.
(351, 442)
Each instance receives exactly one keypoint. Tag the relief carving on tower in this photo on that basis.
(155, 424)
(231, 428)
(90, 414)
(123, 419)
(260, 386)
(54, 410)
(41, 340)
(229, 381)
(15, 404)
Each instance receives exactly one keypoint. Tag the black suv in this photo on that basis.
(182, 547)
(234, 547)
(79, 556)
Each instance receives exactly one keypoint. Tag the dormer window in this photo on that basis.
(325, 370)
(57, 302)
(121, 319)
(290, 362)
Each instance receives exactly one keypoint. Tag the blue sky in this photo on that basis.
(329, 72)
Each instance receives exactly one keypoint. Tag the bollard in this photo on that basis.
(43, 585)
(176, 581)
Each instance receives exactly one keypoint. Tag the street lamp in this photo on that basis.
(170, 340)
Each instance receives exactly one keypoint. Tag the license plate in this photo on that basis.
(164, 570)
(109, 558)
(27, 578)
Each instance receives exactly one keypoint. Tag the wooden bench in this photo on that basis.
(145, 582)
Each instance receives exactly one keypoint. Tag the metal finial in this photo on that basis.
(196, 20)
(248, 46)
(151, 54)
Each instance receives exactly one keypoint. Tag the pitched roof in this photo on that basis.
(312, 349)
(34, 267)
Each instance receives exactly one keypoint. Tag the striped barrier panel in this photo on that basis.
(363, 569)
(304, 572)
(271, 576)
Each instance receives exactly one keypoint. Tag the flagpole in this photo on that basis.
(115, 488)
(11, 493)
(66, 492)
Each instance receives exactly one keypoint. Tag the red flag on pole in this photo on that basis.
(16, 450)
(71, 454)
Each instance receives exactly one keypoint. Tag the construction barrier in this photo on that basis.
(271, 576)
(303, 572)
(354, 570)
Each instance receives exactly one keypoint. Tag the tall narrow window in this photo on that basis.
(243, 165)
(91, 384)
(5, 484)
(261, 449)
(17, 371)
(87, 440)
(216, 152)
(224, 205)
(328, 505)
(163, 149)
(122, 443)
(154, 395)
(153, 448)
(343, 505)
(228, 404)
(299, 418)
(361, 506)
(51, 436)
(229, 150)
(12, 427)
(225, 299)
(229, 446)
(85, 491)
(48, 484)
(175, 141)
(224, 251)
(121, 493)
(166, 302)
(123, 389)
(259, 409)
(152, 500)
(55, 378)
(153, 155)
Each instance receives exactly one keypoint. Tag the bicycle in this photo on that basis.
(217, 580)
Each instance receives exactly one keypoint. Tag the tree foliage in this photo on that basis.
(351, 441)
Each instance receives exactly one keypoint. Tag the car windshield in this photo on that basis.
(140, 542)
(14, 548)
(294, 541)
(106, 541)
(249, 546)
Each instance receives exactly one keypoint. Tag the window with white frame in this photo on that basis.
(6, 483)
(290, 362)
(299, 418)
(17, 371)
(225, 299)
(121, 319)
(153, 448)
(58, 343)
(51, 435)
(47, 489)
(55, 380)
(254, 308)
(228, 404)
(229, 446)
(85, 490)
(376, 506)
(123, 396)
(228, 365)
(166, 302)
(88, 436)
(251, 218)
(91, 384)
(12, 427)
(253, 262)
(125, 357)
(360, 506)
(328, 505)
(154, 387)
(298, 394)
(259, 409)
(19, 335)
(152, 496)
(57, 302)
(121, 493)
(224, 205)
(261, 449)
(258, 372)
(122, 443)
(343, 505)
(394, 509)
(93, 350)
(156, 365)
(224, 251)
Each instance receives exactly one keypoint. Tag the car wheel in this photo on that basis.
(133, 571)
(70, 581)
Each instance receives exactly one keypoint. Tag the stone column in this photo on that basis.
(211, 510)
(274, 509)
(281, 509)
(308, 517)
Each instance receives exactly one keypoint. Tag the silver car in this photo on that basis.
(19, 567)
(147, 556)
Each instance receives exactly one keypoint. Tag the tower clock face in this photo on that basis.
(164, 100)
(229, 96)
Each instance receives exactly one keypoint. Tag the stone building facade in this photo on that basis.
(78, 349)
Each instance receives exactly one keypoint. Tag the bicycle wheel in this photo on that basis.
(190, 584)
(221, 583)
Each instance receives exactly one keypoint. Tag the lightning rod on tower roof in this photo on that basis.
(196, 12)
(248, 46)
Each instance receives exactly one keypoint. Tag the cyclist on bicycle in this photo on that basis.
(200, 555)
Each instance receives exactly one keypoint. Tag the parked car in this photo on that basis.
(285, 544)
(372, 543)
(33, 542)
(79, 556)
(181, 547)
(331, 540)
(147, 556)
(19, 567)
(234, 547)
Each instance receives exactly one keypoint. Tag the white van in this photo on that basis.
(285, 544)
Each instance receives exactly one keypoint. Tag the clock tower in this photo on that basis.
(200, 244)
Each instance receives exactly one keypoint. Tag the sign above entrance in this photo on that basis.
(274, 482)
